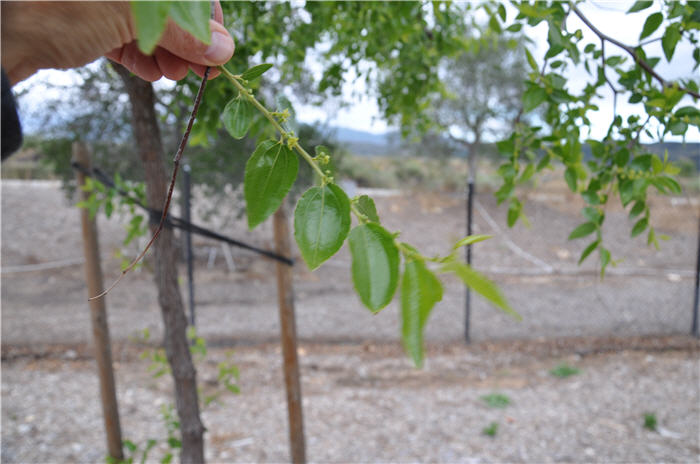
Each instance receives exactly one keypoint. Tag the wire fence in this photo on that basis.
(647, 293)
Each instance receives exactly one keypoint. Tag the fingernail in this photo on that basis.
(221, 48)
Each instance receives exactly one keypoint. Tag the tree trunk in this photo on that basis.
(150, 148)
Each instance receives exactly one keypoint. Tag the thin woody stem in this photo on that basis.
(171, 188)
(270, 117)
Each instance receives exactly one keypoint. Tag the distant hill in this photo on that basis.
(365, 143)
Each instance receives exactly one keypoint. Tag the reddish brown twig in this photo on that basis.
(166, 206)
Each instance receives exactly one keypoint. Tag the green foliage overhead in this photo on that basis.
(620, 166)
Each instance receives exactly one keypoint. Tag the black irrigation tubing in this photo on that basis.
(173, 221)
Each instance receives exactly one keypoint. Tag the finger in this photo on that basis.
(172, 67)
(143, 66)
(184, 45)
(218, 13)
(198, 69)
(132, 59)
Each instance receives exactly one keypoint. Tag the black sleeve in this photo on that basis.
(11, 128)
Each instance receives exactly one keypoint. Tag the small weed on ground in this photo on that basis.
(650, 422)
(496, 400)
(563, 371)
(491, 430)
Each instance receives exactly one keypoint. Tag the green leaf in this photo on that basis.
(269, 174)
(678, 127)
(420, 291)
(651, 25)
(640, 5)
(193, 17)
(109, 208)
(592, 214)
(150, 19)
(238, 116)
(604, 261)
(129, 445)
(533, 97)
(174, 442)
(506, 147)
(670, 40)
(637, 209)
(570, 177)
(255, 71)
(622, 157)
(375, 265)
(671, 183)
(321, 223)
(531, 61)
(514, 209)
(481, 285)
(502, 12)
(471, 239)
(687, 111)
(639, 227)
(589, 249)
(495, 25)
(365, 205)
(582, 230)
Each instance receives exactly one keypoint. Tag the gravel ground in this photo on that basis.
(367, 404)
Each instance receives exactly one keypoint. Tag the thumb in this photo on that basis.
(181, 43)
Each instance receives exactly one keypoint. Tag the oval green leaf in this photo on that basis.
(639, 227)
(375, 265)
(365, 205)
(150, 19)
(471, 239)
(582, 230)
(193, 17)
(255, 71)
(321, 223)
(238, 116)
(269, 174)
(670, 40)
(570, 178)
(420, 291)
(640, 5)
(589, 249)
(651, 24)
(533, 97)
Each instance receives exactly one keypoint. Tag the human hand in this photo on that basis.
(37, 35)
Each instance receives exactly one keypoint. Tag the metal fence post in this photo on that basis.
(289, 339)
(100, 329)
(695, 330)
(467, 294)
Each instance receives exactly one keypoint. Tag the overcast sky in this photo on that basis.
(609, 17)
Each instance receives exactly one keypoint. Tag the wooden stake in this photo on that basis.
(100, 329)
(289, 339)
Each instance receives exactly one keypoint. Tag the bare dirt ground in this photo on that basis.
(363, 401)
